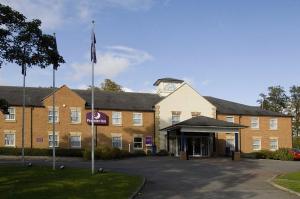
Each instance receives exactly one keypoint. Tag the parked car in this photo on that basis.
(295, 153)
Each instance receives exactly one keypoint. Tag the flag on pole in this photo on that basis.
(55, 58)
(93, 48)
(24, 69)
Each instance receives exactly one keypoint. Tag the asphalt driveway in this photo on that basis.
(171, 178)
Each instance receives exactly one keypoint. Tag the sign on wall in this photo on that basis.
(100, 118)
(149, 141)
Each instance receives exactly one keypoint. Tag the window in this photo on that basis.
(170, 87)
(254, 122)
(195, 114)
(230, 119)
(175, 117)
(137, 119)
(138, 142)
(12, 114)
(116, 118)
(230, 143)
(116, 141)
(75, 140)
(75, 115)
(273, 124)
(56, 139)
(256, 144)
(50, 114)
(10, 139)
(273, 144)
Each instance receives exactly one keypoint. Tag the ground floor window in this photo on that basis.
(273, 144)
(138, 142)
(116, 141)
(230, 143)
(10, 139)
(256, 144)
(56, 139)
(75, 140)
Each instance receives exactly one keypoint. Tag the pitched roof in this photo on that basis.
(202, 121)
(103, 99)
(167, 79)
(233, 108)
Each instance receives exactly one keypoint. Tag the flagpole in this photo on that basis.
(23, 113)
(92, 154)
(53, 118)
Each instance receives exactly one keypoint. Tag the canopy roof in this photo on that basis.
(204, 122)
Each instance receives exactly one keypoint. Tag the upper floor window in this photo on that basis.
(254, 122)
(175, 117)
(11, 114)
(137, 119)
(50, 114)
(116, 118)
(75, 115)
(273, 124)
(230, 119)
(10, 139)
(195, 114)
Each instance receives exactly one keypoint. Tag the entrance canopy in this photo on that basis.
(204, 124)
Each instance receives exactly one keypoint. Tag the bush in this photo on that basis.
(283, 154)
(296, 142)
(264, 154)
(138, 153)
(86, 154)
(163, 153)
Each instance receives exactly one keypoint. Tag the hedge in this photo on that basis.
(296, 142)
(280, 154)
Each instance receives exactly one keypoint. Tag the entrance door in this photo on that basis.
(204, 146)
(198, 146)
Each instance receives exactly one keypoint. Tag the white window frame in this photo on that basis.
(277, 143)
(7, 116)
(175, 121)
(253, 144)
(116, 135)
(116, 116)
(138, 136)
(271, 123)
(230, 119)
(134, 118)
(57, 135)
(78, 110)
(75, 134)
(253, 122)
(9, 132)
(50, 109)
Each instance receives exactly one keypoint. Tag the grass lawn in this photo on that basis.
(42, 182)
(290, 181)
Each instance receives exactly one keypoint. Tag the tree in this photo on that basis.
(294, 108)
(109, 85)
(4, 106)
(276, 100)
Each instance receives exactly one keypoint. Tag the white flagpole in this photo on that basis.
(53, 122)
(93, 161)
(23, 114)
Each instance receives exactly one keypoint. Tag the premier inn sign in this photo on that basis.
(100, 118)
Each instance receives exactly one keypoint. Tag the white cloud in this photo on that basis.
(205, 82)
(126, 89)
(111, 62)
(51, 13)
(129, 4)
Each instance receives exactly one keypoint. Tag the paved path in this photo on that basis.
(170, 178)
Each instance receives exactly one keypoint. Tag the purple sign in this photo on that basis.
(99, 118)
(148, 140)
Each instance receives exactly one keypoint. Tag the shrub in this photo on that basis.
(264, 154)
(86, 154)
(283, 154)
(163, 153)
(138, 153)
(296, 142)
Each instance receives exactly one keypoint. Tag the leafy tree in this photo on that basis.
(109, 85)
(23, 42)
(294, 108)
(276, 100)
(4, 106)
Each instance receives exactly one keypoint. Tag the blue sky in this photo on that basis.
(228, 49)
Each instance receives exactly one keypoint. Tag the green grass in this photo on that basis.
(44, 183)
(290, 181)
